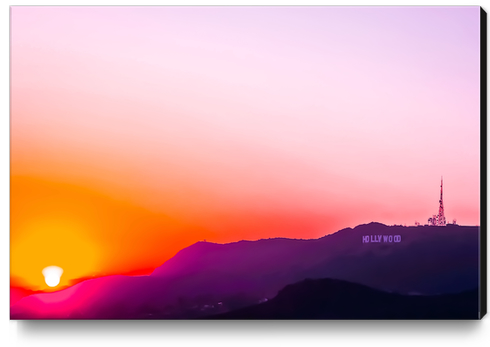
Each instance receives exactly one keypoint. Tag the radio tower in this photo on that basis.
(441, 220)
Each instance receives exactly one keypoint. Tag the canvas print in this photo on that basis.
(247, 162)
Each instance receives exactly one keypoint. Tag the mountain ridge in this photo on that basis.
(428, 260)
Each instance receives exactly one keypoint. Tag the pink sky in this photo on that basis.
(253, 122)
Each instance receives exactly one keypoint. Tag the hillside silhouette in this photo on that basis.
(207, 278)
(336, 299)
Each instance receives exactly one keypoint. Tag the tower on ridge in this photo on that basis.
(439, 219)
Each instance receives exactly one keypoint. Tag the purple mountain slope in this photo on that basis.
(208, 278)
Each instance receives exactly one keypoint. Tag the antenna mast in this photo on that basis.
(441, 220)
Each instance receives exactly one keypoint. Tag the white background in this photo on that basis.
(203, 333)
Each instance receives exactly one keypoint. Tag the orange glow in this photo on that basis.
(46, 231)
(85, 233)
(53, 242)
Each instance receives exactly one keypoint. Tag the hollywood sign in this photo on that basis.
(381, 238)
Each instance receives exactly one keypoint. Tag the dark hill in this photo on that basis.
(336, 299)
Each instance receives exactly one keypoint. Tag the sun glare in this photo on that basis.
(52, 275)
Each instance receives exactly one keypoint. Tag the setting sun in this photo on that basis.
(52, 275)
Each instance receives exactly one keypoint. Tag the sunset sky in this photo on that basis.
(137, 131)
